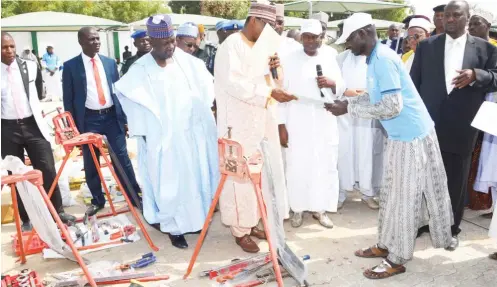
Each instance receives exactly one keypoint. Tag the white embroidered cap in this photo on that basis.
(421, 23)
(487, 16)
(311, 26)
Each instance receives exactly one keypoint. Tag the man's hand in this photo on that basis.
(274, 61)
(126, 130)
(282, 96)
(324, 82)
(337, 108)
(283, 135)
(465, 78)
(353, 93)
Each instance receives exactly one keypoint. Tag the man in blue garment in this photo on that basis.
(51, 74)
(167, 95)
(414, 175)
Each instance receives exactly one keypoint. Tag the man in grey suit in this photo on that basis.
(453, 72)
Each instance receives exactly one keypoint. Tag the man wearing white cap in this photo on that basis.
(246, 103)
(419, 29)
(414, 174)
(360, 151)
(27, 55)
(186, 37)
(311, 157)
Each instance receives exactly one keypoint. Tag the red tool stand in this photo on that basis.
(68, 135)
(35, 177)
(236, 165)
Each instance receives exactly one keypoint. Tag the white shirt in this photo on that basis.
(9, 111)
(453, 59)
(92, 101)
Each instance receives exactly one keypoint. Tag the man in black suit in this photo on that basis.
(394, 41)
(453, 72)
(22, 125)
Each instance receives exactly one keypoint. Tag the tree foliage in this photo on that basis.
(225, 9)
(184, 7)
(123, 11)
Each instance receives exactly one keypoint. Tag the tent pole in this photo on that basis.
(310, 8)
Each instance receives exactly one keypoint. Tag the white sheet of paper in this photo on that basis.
(312, 101)
(267, 45)
(486, 118)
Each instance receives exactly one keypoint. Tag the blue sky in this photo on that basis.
(424, 7)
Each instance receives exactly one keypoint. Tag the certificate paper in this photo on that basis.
(267, 45)
(486, 118)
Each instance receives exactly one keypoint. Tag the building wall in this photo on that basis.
(65, 44)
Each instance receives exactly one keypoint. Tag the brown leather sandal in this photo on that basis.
(372, 252)
(384, 270)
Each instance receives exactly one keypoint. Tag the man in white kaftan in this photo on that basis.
(312, 154)
(245, 102)
(288, 45)
(167, 95)
(361, 140)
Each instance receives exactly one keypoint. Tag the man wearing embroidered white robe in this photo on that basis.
(360, 151)
(287, 44)
(245, 102)
(167, 95)
(312, 154)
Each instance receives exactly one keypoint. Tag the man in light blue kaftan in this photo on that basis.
(167, 96)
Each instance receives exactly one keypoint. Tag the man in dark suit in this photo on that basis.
(394, 41)
(453, 72)
(88, 86)
(23, 127)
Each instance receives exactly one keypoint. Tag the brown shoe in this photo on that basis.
(257, 233)
(247, 244)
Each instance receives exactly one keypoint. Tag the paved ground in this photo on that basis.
(332, 261)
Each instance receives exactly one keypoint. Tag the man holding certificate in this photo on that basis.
(246, 103)
(311, 171)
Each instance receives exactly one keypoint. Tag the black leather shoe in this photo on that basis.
(423, 229)
(178, 241)
(453, 244)
(93, 209)
(26, 226)
(67, 218)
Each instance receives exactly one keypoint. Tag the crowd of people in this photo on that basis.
(390, 119)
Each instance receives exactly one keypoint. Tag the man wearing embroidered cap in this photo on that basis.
(414, 174)
(167, 96)
(419, 29)
(246, 103)
(142, 44)
(186, 37)
(312, 177)
(287, 44)
(484, 160)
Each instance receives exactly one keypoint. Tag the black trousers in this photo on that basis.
(17, 137)
(457, 168)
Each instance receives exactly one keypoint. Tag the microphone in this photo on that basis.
(319, 72)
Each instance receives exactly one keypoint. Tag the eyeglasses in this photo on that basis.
(189, 45)
(414, 37)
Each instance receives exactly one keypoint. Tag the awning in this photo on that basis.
(340, 6)
(379, 24)
(55, 21)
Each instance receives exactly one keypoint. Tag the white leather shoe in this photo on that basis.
(323, 219)
(297, 219)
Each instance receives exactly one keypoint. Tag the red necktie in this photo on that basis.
(100, 90)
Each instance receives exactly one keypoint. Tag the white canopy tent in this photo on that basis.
(55, 21)
(379, 24)
(340, 6)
